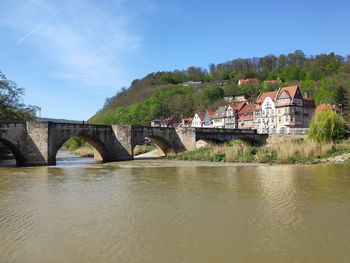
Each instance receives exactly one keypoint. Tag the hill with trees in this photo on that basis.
(325, 78)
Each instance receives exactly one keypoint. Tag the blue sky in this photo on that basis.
(69, 55)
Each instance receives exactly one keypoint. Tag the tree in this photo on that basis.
(12, 107)
(341, 98)
(327, 126)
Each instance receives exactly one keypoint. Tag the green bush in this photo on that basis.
(74, 143)
(327, 126)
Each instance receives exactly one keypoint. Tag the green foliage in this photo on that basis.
(12, 107)
(75, 143)
(325, 92)
(213, 94)
(176, 100)
(327, 126)
(266, 155)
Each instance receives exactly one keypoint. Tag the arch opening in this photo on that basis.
(10, 155)
(156, 147)
(81, 148)
(161, 143)
(146, 150)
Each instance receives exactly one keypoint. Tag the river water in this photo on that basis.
(171, 211)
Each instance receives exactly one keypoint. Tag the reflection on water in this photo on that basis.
(168, 211)
(65, 158)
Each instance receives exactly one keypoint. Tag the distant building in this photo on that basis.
(187, 122)
(171, 121)
(219, 117)
(220, 82)
(327, 106)
(191, 83)
(231, 114)
(283, 111)
(235, 98)
(276, 82)
(246, 117)
(248, 81)
(156, 123)
(201, 119)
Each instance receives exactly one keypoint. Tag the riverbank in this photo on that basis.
(282, 151)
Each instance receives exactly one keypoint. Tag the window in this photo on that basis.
(279, 119)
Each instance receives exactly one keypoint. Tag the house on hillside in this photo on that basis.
(171, 121)
(191, 83)
(246, 117)
(248, 81)
(186, 122)
(211, 114)
(231, 114)
(274, 82)
(156, 123)
(283, 111)
(327, 106)
(219, 117)
(235, 98)
(201, 119)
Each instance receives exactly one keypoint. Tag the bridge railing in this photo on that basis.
(59, 120)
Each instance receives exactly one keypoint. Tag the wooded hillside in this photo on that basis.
(325, 78)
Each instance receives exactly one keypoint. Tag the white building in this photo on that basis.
(219, 117)
(202, 119)
(231, 114)
(283, 111)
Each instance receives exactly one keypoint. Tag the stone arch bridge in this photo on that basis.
(36, 143)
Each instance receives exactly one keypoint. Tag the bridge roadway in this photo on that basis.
(36, 143)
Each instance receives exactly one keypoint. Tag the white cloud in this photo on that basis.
(88, 41)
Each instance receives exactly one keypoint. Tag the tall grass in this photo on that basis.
(295, 150)
(284, 150)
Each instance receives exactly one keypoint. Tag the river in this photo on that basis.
(172, 211)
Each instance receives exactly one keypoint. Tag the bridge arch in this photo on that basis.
(162, 143)
(100, 150)
(15, 150)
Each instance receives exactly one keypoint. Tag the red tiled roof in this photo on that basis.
(249, 80)
(292, 90)
(201, 115)
(325, 106)
(237, 105)
(211, 112)
(274, 81)
(264, 95)
(170, 120)
(248, 108)
(246, 112)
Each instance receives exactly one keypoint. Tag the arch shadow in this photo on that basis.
(161, 143)
(101, 154)
(20, 159)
